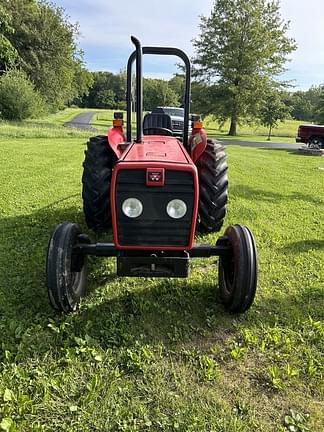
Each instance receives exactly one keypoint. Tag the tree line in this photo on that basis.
(240, 54)
(108, 91)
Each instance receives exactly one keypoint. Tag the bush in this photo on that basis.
(18, 98)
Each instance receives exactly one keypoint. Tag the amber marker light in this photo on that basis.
(196, 122)
(118, 119)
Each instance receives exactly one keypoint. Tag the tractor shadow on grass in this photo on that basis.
(118, 312)
(24, 241)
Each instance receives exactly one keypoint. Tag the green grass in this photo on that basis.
(162, 354)
(50, 126)
(284, 133)
(60, 117)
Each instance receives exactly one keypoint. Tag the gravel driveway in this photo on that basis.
(82, 121)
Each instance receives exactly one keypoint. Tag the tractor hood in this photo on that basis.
(157, 148)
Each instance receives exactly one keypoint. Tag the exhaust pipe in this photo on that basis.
(139, 89)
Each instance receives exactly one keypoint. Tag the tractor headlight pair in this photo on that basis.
(132, 207)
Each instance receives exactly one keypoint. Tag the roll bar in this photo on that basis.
(139, 87)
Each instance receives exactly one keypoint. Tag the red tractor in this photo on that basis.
(154, 192)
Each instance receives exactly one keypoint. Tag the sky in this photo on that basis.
(106, 26)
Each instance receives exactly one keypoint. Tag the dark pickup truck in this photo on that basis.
(312, 135)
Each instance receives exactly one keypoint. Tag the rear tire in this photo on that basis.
(65, 271)
(213, 184)
(316, 143)
(96, 179)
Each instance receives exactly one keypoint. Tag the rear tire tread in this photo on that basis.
(96, 181)
(213, 181)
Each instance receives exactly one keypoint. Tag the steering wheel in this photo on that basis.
(157, 131)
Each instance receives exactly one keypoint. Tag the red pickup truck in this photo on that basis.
(312, 135)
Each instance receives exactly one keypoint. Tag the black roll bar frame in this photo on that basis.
(139, 87)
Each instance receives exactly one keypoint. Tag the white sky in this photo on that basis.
(106, 26)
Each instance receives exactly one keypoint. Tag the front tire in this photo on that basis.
(96, 180)
(316, 143)
(237, 271)
(65, 271)
(213, 185)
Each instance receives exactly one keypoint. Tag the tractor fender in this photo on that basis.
(116, 137)
(197, 143)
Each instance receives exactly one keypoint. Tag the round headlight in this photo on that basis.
(176, 208)
(132, 207)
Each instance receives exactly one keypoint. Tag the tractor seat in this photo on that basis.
(157, 124)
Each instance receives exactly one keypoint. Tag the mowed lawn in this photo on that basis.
(162, 354)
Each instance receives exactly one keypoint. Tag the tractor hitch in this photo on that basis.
(153, 265)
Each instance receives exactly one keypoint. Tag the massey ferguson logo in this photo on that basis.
(155, 177)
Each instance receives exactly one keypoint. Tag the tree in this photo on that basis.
(319, 112)
(242, 47)
(18, 98)
(157, 92)
(83, 81)
(46, 43)
(106, 99)
(273, 110)
(8, 53)
(304, 104)
(177, 84)
(106, 88)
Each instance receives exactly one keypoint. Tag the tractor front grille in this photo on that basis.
(177, 124)
(154, 227)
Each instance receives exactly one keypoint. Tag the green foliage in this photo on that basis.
(8, 53)
(158, 92)
(106, 99)
(83, 80)
(242, 46)
(296, 422)
(272, 110)
(319, 113)
(177, 84)
(304, 104)
(108, 90)
(18, 98)
(45, 41)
